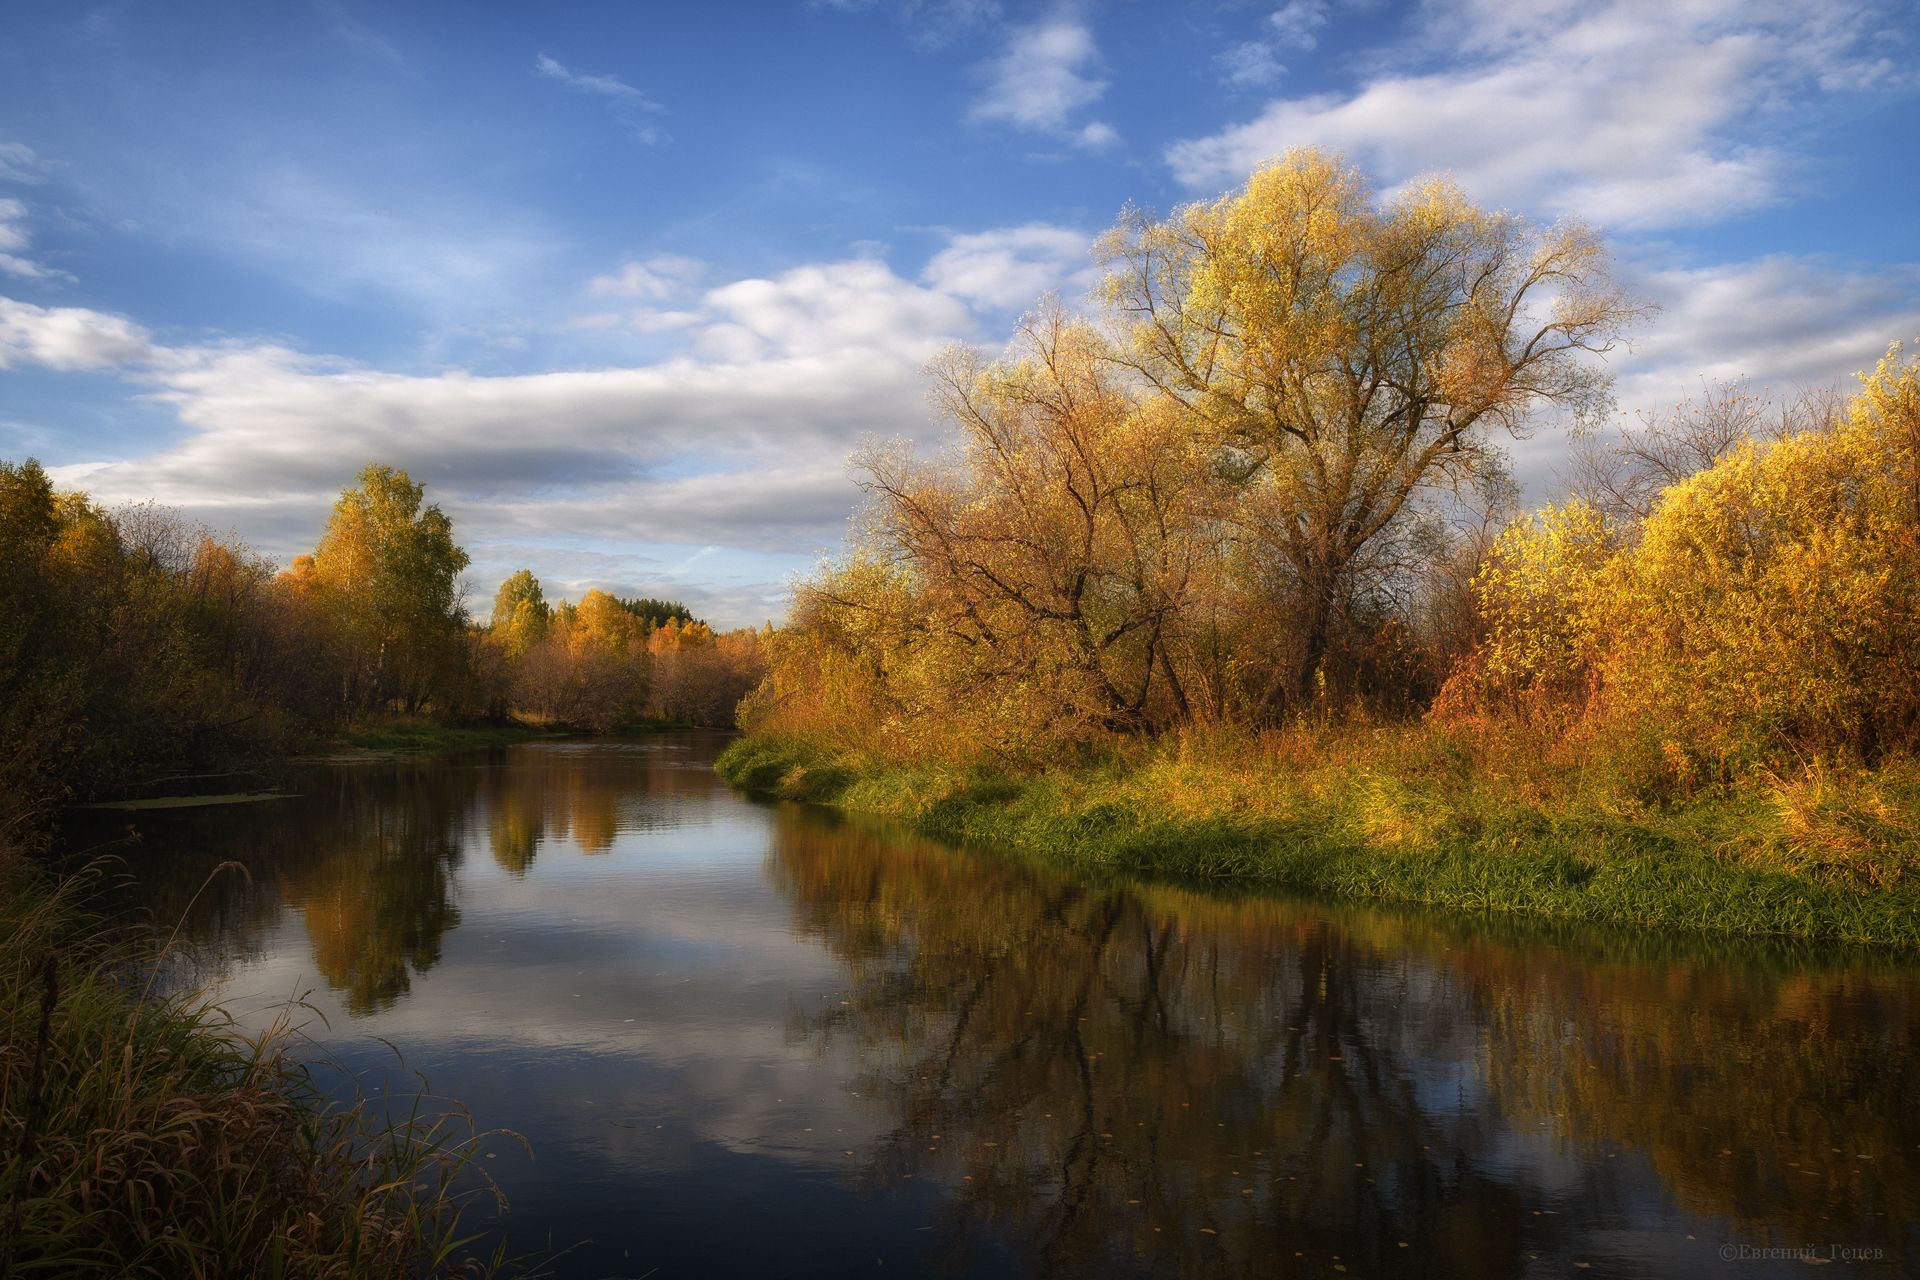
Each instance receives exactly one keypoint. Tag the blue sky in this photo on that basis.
(624, 283)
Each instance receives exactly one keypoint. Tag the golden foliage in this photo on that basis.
(1772, 597)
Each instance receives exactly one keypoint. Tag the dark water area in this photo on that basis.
(748, 1040)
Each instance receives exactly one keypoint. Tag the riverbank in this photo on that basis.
(147, 1136)
(423, 737)
(430, 737)
(1405, 815)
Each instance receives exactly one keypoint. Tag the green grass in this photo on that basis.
(1409, 822)
(145, 1135)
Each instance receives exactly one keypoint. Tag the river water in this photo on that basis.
(753, 1040)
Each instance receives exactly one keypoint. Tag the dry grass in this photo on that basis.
(1846, 822)
(149, 1136)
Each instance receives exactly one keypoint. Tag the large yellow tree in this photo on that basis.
(1342, 353)
(392, 569)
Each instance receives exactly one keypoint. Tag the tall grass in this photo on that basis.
(146, 1134)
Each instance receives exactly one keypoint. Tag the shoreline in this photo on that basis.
(1666, 869)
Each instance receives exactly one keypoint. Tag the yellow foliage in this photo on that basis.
(599, 625)
(1537, 595)
(1771, 598)
(1769, 601)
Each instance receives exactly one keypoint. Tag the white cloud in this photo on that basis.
(1249, 65)
(647, 321)
(14, 236)
(1012, 267)
(836, 308)
(1255, 63)
(605, 86)
(664, 275)
(70, 338)
(1041, 79)
(632, 106)
(1787, 322)
(19, 164)
(739, 442)
(1097, 136)
(1296, 25)
(1629, 114)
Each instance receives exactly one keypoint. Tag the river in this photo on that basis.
(754, 1040)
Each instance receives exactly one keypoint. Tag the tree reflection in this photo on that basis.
(378, 900)
(1782, 1101)
(366, 853)
(516, 819)
(1152, 1081)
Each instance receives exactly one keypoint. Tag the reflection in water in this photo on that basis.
(753, 1040)
(366, 855)
(1156, 1081)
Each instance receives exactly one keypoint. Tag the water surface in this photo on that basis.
(761, 1041)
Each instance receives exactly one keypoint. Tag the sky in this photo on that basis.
(623, 284)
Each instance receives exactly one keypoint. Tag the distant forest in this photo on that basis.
(135, 644)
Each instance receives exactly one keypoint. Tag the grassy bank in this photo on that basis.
(146, 1136)
(1418, 815)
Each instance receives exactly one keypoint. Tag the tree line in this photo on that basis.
(608, 660)
(136, 644)
(1260, 481)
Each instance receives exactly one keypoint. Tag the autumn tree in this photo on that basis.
(1052, 556)
(392, 568)
(520, 613)
(1345, 354)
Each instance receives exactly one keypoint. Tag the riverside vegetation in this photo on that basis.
(1227, 580)
(142, 1135)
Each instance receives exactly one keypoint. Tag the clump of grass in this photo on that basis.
(147, 1135)
(1846, 823)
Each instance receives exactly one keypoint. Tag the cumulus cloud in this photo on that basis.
(70, 338)
(1631, 115)
(1296, 24)
(1009, 268)
(737, 441)
(843, 308)
(629, 104)
(1042, 78)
